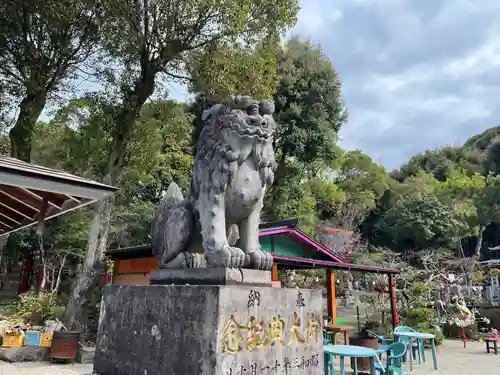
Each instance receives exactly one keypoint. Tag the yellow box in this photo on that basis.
(46, 339)
(13, 340)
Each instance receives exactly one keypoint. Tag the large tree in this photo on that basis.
(309, 106)
(476, 200)
(42, 45)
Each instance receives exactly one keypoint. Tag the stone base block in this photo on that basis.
(210, 276)
(209, 330)
(23, 354)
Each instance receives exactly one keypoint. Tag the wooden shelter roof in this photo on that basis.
(29, 193)
(284, 229)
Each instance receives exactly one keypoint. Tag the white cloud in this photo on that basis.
(416, 74)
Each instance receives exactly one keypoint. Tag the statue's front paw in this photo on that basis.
(237, 257)
(195, 260)
(227, 256)
(259, 260)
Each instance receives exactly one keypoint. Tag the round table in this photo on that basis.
(339, 328)
(348, 351)
(422, 336)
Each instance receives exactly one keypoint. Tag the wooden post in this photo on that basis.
(332, 301)
(274, 272)
(394, 311)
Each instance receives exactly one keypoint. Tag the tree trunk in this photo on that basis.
(280, 170)
(93, 270)
(22, 133)
(57, 282)
(479, 243)
(92, 274)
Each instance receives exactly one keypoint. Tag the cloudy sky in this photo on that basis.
(416, 74)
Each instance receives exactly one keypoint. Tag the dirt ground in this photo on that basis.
(453, 360)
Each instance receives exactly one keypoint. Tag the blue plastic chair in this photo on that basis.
(417, 347)
(394, 362)
(327, 337)
(383, 341)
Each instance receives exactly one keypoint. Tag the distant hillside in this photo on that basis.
(480, 153)
(483, 140)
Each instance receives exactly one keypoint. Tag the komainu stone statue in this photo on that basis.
(234, 164)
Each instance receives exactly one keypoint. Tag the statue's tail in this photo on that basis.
(172, 225)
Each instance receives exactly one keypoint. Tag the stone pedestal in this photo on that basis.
(209, 330)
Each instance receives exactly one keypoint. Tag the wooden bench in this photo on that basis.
(493, 340)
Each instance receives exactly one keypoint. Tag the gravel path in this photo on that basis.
(453, 360)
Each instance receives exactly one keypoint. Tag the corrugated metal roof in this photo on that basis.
(26, 190)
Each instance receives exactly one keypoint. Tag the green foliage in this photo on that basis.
(223, 70)
(422, 320)
(438, 335)
(328, 196)
(309, 104)
(42, 44)
(419, 222)
(441, 163)
(35, 309)
(362, 180)
(131, 224)
(294, 200)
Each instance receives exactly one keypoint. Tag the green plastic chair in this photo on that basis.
(418, 347)
(327, 335)
(394, 362)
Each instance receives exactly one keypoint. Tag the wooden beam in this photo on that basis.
(331, 300)
(9, 218)
(16, 212)
(36, 197)
(17, 195)
(56, 198)
(274, 272)
(18, 205)
(394, 310)
(5, 225)
(54, 184)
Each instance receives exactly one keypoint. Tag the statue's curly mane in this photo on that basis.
(216, 161)
(234, 164)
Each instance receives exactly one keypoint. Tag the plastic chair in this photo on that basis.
(382, 339)
(394, 360)
(415, 347)
(327, 337)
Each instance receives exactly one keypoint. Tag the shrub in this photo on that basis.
(439, 337)
(420, 317)
(36, 308)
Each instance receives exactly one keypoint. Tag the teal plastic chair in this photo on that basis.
(417, 347)
(383, 341)
(327, 335)
(394, 362)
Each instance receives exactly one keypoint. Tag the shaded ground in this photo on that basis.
(453, 360)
